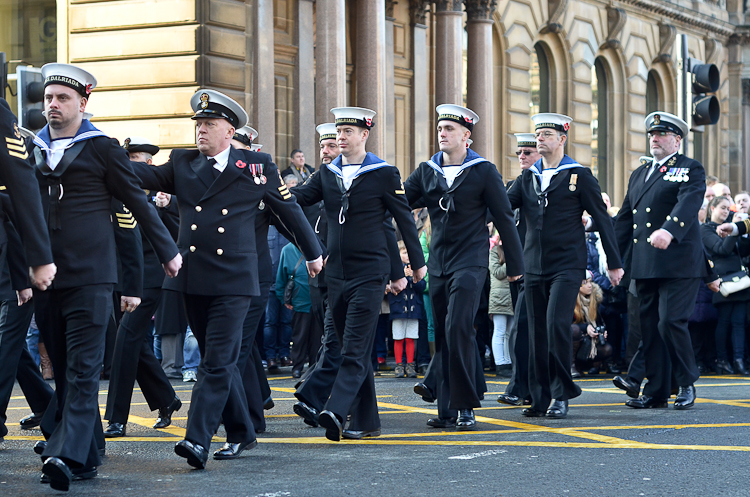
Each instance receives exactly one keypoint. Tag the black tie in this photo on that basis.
(216, 172)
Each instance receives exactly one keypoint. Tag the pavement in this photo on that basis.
(602, 448)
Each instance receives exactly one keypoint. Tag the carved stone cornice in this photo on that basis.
(616, 19)
(685, 16)
(389, 6)
(480, 9)
(418, 11)
(449, 6)
(556, 13)
(667, 34)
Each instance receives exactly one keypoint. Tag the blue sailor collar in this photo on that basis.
(85, 132)
(371, 163)
(565, 163)
(472, 158)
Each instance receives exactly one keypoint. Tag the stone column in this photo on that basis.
(422, 134)
(370, 69)
(263, 113)
(480, 92)
(390, 90)
(304, 119)
(330, 58)
(448, 52)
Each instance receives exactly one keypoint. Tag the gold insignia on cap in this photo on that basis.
(16, 131)
(657, 119)
(126, 144)
(204, 100)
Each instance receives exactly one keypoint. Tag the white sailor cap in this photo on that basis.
(139, 144)
(216, 105)
(664, 121)
(69, 75)
(526, 139)
(558, 122)
(461, 115)
(255, 147)
(355, 116)
(327, 131)
(245, 135)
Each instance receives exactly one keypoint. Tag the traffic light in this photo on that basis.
(30, 85)
(705, 79)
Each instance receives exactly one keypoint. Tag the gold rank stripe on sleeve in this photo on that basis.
(285, 193)
(126, 220)
(22, 156)
(15, 141)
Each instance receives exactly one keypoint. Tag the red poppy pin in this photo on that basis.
(663, 169)
(88, 89)
(566, 126)
(468, 119)
(368, 121)
(240, 164)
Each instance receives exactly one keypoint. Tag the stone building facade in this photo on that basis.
(605, 63)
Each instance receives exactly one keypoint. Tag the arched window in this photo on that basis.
(599, 90)
(653, 99)
(539, 77)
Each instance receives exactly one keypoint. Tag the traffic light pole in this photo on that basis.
(3, 74)
(685, 93)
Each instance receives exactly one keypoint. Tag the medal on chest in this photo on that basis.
(676, 174)
(573, 181)
(256, 170)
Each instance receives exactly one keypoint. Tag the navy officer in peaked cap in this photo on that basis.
(220, 188)
(553, 193)
(659, 217)
(458, 187)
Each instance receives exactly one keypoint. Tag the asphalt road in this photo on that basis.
(602, 448)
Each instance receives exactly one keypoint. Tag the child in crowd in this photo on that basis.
(501, 310)
(406, 310)
(589, 349)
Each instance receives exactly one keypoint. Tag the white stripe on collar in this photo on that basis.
(557, 169)
(362, 169)
(439, 169)
(83, 136)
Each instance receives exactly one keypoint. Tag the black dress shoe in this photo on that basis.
(739, 368)
(441, 422)
(272, 364)
(78, 474)
(613, 368)
(359, 434)
(58, 472)
(31, 421)
(233, 450)
(511, 400)
(165, 413)
(195, 454)
(425, 392)
(631, 388)
(308, 414)
(466, 420)
(646, 402)
(296, 373)
(285, 361)
(268, 404)
(723, 367)
(685, 398)
(332, 424)
(114, 430)
(558, 409)
(530, 412)
(40, 446)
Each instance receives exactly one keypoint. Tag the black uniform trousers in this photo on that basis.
(72, 323)
(316, 388)
(318, 304)
(455, 300)
(666, 306)
(306, 339)
(216, 322)
(17, 363)
(355, 306)
(550, 301)
(134, 359)
(247, 362)
(519, 344)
